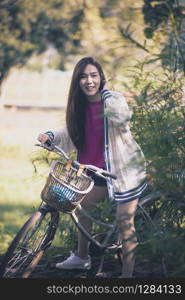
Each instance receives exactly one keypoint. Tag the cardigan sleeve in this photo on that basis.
(63, 140)
(116, 107)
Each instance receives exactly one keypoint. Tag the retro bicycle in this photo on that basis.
(64, 190)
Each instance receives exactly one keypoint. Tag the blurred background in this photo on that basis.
(141, 46)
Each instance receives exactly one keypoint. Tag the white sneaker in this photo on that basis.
(75, 262)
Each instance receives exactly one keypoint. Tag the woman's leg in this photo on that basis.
(125, 218)
(98, 194)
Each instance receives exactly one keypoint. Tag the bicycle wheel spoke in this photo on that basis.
(17, 262)
(29, 244)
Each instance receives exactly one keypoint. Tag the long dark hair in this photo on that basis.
(75, 115)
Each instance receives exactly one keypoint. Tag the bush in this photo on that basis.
(159, 128)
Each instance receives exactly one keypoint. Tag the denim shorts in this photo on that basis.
(99, 181)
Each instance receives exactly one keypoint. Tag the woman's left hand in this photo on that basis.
(105, 86)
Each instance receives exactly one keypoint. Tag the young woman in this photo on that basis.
(97, 126)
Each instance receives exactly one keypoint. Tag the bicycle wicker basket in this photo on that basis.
(66, 186)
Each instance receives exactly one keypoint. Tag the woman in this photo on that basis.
(98, 128)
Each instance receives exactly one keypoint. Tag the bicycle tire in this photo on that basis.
(27, 247)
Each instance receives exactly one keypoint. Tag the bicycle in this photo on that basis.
(65, 188)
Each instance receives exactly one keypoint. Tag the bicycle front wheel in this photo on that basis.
(29, 244)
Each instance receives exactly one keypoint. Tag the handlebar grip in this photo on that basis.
(48, 143)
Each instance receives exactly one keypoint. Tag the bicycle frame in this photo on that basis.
(101, 246)
(104, 247)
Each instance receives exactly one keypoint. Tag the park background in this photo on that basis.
(141, 46)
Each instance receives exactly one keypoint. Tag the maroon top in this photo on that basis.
(92, 152)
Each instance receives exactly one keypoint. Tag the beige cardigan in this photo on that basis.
(123, 156)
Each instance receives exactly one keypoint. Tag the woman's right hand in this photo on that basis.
(43, 138)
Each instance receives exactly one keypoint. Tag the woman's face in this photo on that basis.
(90, 82)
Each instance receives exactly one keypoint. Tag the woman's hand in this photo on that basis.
(105, 86)
(43, 138)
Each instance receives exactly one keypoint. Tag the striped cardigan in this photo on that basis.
(123, 155)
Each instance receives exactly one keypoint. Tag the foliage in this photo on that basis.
(157, 88)
(74, 28)
(158, 13)
(158, 127)
(167, 18)
(77, 27)
(28, 27)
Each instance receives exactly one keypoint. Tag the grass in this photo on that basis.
(20, 187)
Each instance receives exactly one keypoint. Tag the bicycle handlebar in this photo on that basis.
(48, 145)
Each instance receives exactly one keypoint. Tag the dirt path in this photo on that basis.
(112, 269)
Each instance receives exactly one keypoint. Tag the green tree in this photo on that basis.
(167, 18)
(27, 27)
(75, 28)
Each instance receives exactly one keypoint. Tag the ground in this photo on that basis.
(111, 269)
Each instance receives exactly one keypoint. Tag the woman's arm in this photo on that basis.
(63, 140)
(116, 107)
(60, 138)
